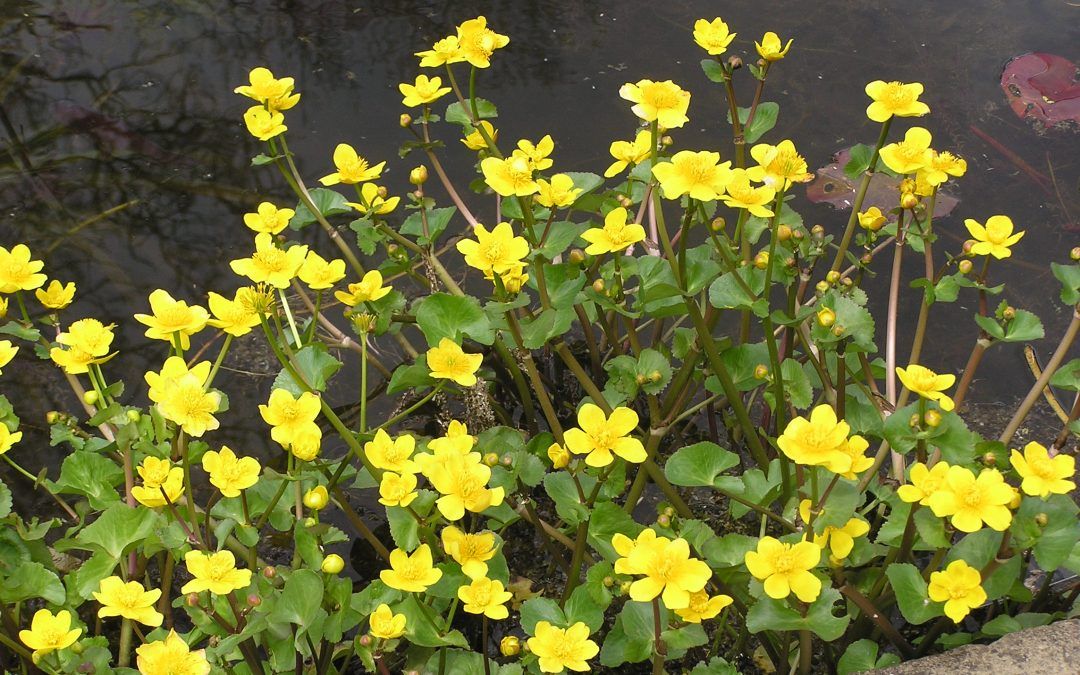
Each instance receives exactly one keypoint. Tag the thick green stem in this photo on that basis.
(860, 196)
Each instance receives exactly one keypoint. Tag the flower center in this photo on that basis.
(270, 260)
(783, 563)
(661, 97)
(1043, 468)
(898, 97)
(972, 497)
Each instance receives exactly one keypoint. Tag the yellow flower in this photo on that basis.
(475, 140)
(173, 369)
(714, 37)
(372, 200)
(264, 124)
(959, 587)
(941, 166)
(3, 307)
(558, 455)
(8, 438)
(778, 165)
(18, 272)
(449, 362)
(924, 483)
(158, 476)
(538, 153)
(927, 384)
(840, 539)
(485, 596)
(368, 289)
(895, 99)
(911, 154)
(306, 443)
(230, 473)
(559, 193)
(268, 218)
(698, 174)
(184, 399)
(972, 501)
(423, 92)
(615, 236)
(855, 449)
(742, 195)
(818, 441)
(7, 352)
(560, 649)
(129, 600)
(509, 177)
(351, 167)
(237, 316)
(172, 318)
(276, 94)
(477, 42)
(995, 239)
(514, 278)
(411, 573)
(494, 252)
(769, 47)
(270, 264)
(171, 656)
(666, 566)
(597, 436)
(446, 50)
(392, 454)
(872, 219)
(471, 551)
(462, 481)
(87, 341)
(56, 295)
(214, 572)
(1044, 475)
(290, 418)
(386, 625)
(629, 152)
(49, 632)
(785, 568)
(397, 489)
(664, 102)
(703, 607)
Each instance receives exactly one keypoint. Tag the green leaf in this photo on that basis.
(727, 293)
(5, 500)
(631, 638)
(862, 655)
(1067, 376)
(911, 593)
(856, 321)
(715, 666)
(410, 376)
(301, 599)
(550, 323)
(328, 202)
(456, 114)
(859, 161)
(442, 315)
(403, 526)
(1069, 276)
(437, 220)
(534, 610)
(764, 119)
(32, 580)
(607, 520)
(562, 234)
(314, 364)
(728, 550)
(16, 329)
(699, 465)
(260, 159)
(581, 606)
(118, 527)
(714, 71)
(92, 475)
(83, 581)
(1005, 624)
(560, 487)
(774, 615)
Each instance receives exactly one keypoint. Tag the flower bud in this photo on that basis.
(1015, 503)
(655, 376)
(253, 600)
(761, 371)
(364, 640)
(932, 419)
(52, 417)
(310, 522)
(826, 317)
(818, 231)
(838, 330)
(846, 282)
(405, 121)
(577, 256)
(1009, 313)
(608, 581)
(866, 259)
(419, 175)
(317, 498)
(668, 511)
(90, 397)
(761, 260)
(909, 200)
(666, 141)
(783, 233)
(558, 455)
(989, 459)
(797, 235)
(1074, 254)
(663, 521)
(908, 186)
(192, 599)
(333, 564)
(832, 277)
(734, 62)
(965, 266)
(506, 460)
(1041, 519)
(640, 379)
(625, 201)
(624, 588)
(598, 285)
(269, 572)
(717, 224)
(821, 286)
(967, 245)
(133, 415)
(789, 262)
(382, 192)
(913, 421)
(510, 646)
(491, 459)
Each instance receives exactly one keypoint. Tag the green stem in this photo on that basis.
(659, 648)
(860, 196)
(218, 361)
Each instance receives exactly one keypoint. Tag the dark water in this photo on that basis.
(129, 106)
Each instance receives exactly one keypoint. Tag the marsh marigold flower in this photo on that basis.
(386, 625)
(237, 316)
(840, 540)
(444, 51)
(924, 483)
(8, 438)
(599, 436)
(49, 632)
(172, 318)
(185, 400)
(560, 649)
(474, 140)
(818, 441)
(872, 219)
(170, 656)
(741, 194)
(290, 418)
(268, 218)
(537, 153)
(230, 473)
(368, 289)
(665, 565)
(509, 177)
(7, 352)
(424, 91)
(558, 455)
(941, 166)
(698, 174)
(664, 102)
(785, 568)
(494, 252)
(703, 607)
(1044, 475)
(959, 587)
(397, 489)
(471, 551)
(770, 47)
(162, 483)
(485, 596)
(911, 154)
(971, 501)
(629, 152)
(351, 167)
(264, 124)
(448, 361)
(713, 36)
(372, 201)
(559, 193)
(461, 480)
(269, 264)
(56, 295)
(392, 454)
(778, 165)
(995, 239)
(477, 42)
(18, 272)
(214, 572)
(274, 93)
(927, 384)
(129, 600)
(895, 99)
(615, 236)
(411, 573)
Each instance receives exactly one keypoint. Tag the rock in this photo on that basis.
(1046, 650)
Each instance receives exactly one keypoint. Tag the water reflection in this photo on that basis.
(125, 163)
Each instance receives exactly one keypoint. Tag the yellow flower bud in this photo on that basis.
(510, 646)
(316, 498)
(90, 397)
(908, 186)
(932, 418)
(826, 317)
(989, 459)
(761, 260)
(965, 266)
(821, 286)
(1074, 254)
(1009, 313)
(405, 120)
(577, 256)
(558, 455)
(333, 564)
(133, 415)
(1041, 519)
(783, 233)
(761, 371)
(832, 277)
(838, 330)
(718, 223)
(818, 231)
(491, 459)
(419, 175)
(598, 285)
(909, 200)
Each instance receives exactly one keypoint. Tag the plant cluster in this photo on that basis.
(671, 325)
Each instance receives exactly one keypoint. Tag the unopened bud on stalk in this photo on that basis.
(625, 201)
(989, 459)
(666, 141)
(90, 397)
(761, 371)
(52, 417)
(908, 186)
(640, 379)
(419, 175)
(818, 231)
(838, 330)
(908, 200)
(761, 260)
(624, 588)
(269, 572)
(577, 256)
(968, 244)
(783, 232)
(734, 62)
(506, 460)
(1075, 253)
(663, 521)
(133, 416)
(510, 646)
(1015, 503)
(760, 63)
(382, 192)
(609, 581)
(491, 459)
(913, 421)
(405, 121)
(192, 599)
(598, 285)
(866, 259)
(1041, 519)
(310, 522)
(932, 419)
(317, 498)
(789, 262)
(669, 512)
(655, 376)
(253, 600)
(718, 223)
(333, 564)
(965, 266)
(821, 286)
(1009, 313)
(826, 317)
(797, 235)
(832, 277)
(364, 640)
